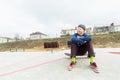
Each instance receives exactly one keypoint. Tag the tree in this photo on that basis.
(17, 37)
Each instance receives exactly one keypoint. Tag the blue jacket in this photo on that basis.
(76, 38)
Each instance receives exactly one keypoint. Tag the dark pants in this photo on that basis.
(81, 50)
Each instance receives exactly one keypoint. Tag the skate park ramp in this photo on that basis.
(53, 66)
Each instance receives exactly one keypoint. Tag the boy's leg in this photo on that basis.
(74, 49)
(73, 56)
(73, 59)
(81, 50)
(90, 49)
(91, 54)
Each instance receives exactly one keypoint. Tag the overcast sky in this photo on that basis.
(50, 16)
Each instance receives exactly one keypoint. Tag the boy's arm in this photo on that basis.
(76, 40)
(87, 38)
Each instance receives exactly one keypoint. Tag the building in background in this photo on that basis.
(89, 31)
(115, 28)
(106, 29)
(67, 32)
(93, 31)
(37, 35)
(6, 39)
(101, 30)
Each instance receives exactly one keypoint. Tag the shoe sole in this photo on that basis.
(71, 68)
(97, 71)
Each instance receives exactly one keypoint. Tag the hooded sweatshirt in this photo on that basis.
(80, 40)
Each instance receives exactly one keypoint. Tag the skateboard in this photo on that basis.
(69, 55)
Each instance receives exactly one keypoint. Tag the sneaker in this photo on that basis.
(94, 67)
(71, 66)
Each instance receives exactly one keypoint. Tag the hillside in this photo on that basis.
(99, 41)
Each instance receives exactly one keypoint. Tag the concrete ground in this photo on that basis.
(53, 66)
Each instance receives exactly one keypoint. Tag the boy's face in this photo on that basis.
(80, 31)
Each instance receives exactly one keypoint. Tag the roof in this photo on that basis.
(67, 29)
(5, 38)
(107, 26)
(38, 33)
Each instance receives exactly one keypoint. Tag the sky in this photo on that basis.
(51, 16)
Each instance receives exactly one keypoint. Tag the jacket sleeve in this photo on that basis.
(87, 38)
(76, 40)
